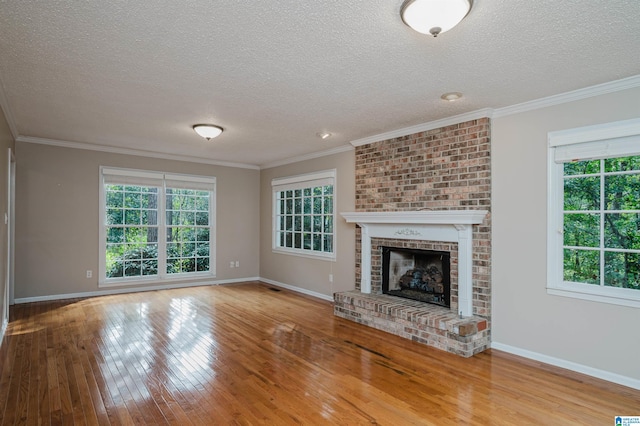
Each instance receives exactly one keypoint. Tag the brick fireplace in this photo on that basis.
(431, 191)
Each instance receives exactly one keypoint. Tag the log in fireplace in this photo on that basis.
(422, 275)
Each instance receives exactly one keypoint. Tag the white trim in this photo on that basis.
(569, 365)
(303, 179)
(597, 132)
(307, 180)
(4, 105)
(428, 225)
(562, 98)
(297, 289)
(456, 119)
(149, 178)
(589, 142)
(574, 95)
(87, 294)
(332, 151)
(130, 151)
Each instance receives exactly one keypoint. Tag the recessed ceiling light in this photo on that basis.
(451, 96)
(323, 135)
(208, 131)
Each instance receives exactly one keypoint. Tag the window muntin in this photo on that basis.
(304, 210)
(593, 234)
(155, 226)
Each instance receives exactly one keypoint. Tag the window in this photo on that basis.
(155, 226)
(303, 215)
(594, 213)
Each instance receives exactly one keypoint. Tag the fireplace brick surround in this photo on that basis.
(448, 168)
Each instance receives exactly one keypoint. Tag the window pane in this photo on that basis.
(582, 193)
(582, 266)
(307, 223)
(307, 205)
(582, 167)
(297, 223)
(317, 223)
(202, 264)
(297, 240)
(622, 164)
(622, 270)
(202, 218)
(132, 268)
(317, 205)
(298, 205)
(328, 244)
(328, 205)
(622, 192)
(114, 217)
(132, 217)
(115, 199)
(187, 218)
(115, 235)
(328, 224)
(307, 241)
(622, 230)
(133, 199)
(582, 230)
(328, 189)
(317, 242)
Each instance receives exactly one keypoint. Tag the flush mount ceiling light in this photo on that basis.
(207, 131)
(451, 96)
(434, 16)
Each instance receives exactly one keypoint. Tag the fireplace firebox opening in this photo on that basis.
(422, 275)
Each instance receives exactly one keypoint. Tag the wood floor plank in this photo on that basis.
(245, 354)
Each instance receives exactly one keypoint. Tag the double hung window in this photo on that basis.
(304, 210)
(155, 226)
(594, 213)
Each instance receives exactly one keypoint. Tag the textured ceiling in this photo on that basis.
(138, 75)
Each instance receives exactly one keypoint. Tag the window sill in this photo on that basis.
(600, 295)
(155, 280)
(331, 257)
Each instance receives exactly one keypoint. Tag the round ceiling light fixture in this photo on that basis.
(451, 96)
(323, 135)
(434, 16)
(208, 131)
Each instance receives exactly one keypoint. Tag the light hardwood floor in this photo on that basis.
(248, 354)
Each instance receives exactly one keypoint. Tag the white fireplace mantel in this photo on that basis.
(428, 225)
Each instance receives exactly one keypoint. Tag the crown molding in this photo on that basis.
(129, 151)
(574, 95)
(337, 150)
(4, 105)
(461, 118)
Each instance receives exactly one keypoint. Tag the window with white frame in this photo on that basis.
(303, 214)
(594, 213)
(155, 226)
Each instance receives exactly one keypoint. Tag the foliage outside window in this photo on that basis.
(155, 225)
(594, 213)
(602, 222)
(304, 214)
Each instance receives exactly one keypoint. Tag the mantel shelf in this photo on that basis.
(421, 217)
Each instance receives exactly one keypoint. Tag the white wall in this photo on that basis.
(311, 275)
(598, 338)
(57, 209)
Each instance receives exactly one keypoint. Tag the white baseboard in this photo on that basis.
(298, 289)
(3, 329)
(569, 365)
(129, 290)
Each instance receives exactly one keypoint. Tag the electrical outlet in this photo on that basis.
(89, 273)
(237, 263)
(232, 264)
(330, 278)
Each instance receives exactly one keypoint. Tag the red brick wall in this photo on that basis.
(441, 169)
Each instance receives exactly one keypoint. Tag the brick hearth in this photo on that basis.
(421, 322)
